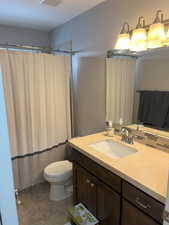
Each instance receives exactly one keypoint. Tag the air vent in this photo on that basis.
(53, 3)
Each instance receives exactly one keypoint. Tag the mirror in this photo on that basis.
(138, 89)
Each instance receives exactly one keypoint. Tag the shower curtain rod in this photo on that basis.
(34, 48)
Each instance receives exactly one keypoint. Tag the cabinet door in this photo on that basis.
(108, 206)
(86, 190)
(133, 216)
(75, 184)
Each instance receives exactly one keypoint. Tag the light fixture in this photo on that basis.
(156, 34)
(144, 37)
(123, 41)
(139, 36)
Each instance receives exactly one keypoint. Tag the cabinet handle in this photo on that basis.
(92, 185)
(88, 181)
(147, 206)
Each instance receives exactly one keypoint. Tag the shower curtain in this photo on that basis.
(120, 76)
(38, 108)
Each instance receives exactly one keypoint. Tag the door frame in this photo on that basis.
(7, 194)
(0, 219)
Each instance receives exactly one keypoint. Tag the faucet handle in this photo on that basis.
(131, 138)
(124, 130)
(127, 135)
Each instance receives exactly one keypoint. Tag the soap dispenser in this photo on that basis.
(109, 129)
(118, 126)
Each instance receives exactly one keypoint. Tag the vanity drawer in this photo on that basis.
(100, 172)
(131, 215)
(144, 202)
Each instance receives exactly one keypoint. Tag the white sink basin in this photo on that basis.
(113, 149)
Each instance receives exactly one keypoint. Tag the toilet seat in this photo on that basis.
(59, 175)
(58, 171)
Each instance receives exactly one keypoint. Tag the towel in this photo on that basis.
(154, 108)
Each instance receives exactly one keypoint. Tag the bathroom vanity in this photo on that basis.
(127, 190)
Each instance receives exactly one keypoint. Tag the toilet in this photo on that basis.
(59, 175)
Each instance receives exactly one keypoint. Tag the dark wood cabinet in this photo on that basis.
(103, 202)
(143, 201)
(111, 199)
(133, 216)
(104, 175)
(86, 190)
(108, 206)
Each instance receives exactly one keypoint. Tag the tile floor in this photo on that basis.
(37, 209)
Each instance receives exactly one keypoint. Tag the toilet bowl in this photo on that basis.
(59, 175)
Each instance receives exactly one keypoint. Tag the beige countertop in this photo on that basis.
(147, 169)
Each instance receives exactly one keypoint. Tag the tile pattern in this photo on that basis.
(37, 209)
(147, 138)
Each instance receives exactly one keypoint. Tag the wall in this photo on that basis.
(7, 203)
(14, 35)
(152, 74)
(94, 32)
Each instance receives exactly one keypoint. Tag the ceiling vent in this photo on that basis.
(53, 3)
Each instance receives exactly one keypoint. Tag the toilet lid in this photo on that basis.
(58, 168)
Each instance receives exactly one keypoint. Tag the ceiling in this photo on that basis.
(32, 14)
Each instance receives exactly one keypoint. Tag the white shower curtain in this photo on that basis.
(38, 105)
(120, 76)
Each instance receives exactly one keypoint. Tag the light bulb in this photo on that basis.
(123, 42)
(138, 40)
(156, 34)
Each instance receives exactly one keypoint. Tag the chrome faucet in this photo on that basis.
(126, 135)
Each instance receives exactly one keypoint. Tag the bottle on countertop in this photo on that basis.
(109, 129)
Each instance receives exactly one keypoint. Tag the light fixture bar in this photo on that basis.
(147, 26)
(112, 53)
